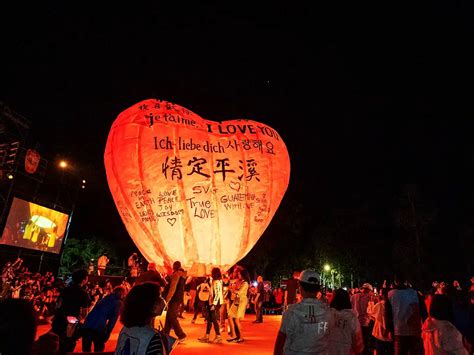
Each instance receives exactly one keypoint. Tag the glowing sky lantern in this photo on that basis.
(193, 190)
(43, 222)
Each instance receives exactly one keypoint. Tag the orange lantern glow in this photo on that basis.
(194, 190)
(32, 159)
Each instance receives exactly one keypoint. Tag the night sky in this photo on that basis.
(369, 99)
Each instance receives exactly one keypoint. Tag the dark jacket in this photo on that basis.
(72, 299)
(104, 315)
(176, 289)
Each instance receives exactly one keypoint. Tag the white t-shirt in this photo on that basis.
(406, 312)
(346, 334)
(306, 326)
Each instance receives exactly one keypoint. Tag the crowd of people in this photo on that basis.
(43, 290)
(396, 319)
(78, 308)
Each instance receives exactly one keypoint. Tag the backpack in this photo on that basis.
(204, 292)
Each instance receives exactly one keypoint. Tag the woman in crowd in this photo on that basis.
(239, 305)
(215, 301)
(225, 303)
(278, 295)
(440, 336)
(142, 304)
(199, 305)
(383, 337)
(346, 337)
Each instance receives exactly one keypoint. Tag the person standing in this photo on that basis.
(305, 326)
(291, 290)
(100, 322)
(72, 307)
(91, 267)
(213, 306)
(439, 334)
(383, 337)
(360, 303)
(278, 296)
(258, 301)
(405, 313)
(202, 296)
(192, 285)
(133, 265)
(225, 305)
(239, 305)
(102, 264)
(174, 299)
(346, 336)
(233, 281)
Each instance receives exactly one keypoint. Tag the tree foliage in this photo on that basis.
(79, 252)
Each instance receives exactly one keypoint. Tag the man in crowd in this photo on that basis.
(305, 326)
(405, 313)
(174, 299)
(291, 290)
(258, 301)
(71, 310)
(102, 264)
(360, 302)
(101, 320)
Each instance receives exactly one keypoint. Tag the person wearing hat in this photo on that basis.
(360, 303)
(305, 326)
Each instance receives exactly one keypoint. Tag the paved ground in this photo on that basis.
(259, 338)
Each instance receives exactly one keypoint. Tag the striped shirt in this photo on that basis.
(155, 347)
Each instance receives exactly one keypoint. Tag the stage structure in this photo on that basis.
(25, 175)
(33, 226)
(14, 130)
(194, 190)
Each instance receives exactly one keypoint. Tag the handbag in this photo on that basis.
(159, 321)
(168, 342)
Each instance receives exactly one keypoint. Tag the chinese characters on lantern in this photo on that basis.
(194, 190)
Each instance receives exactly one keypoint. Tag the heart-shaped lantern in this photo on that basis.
(194, 190)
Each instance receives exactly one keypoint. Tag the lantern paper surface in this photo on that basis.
(194, 190)
(32, 159)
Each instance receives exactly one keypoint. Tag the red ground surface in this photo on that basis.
(259, 338)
